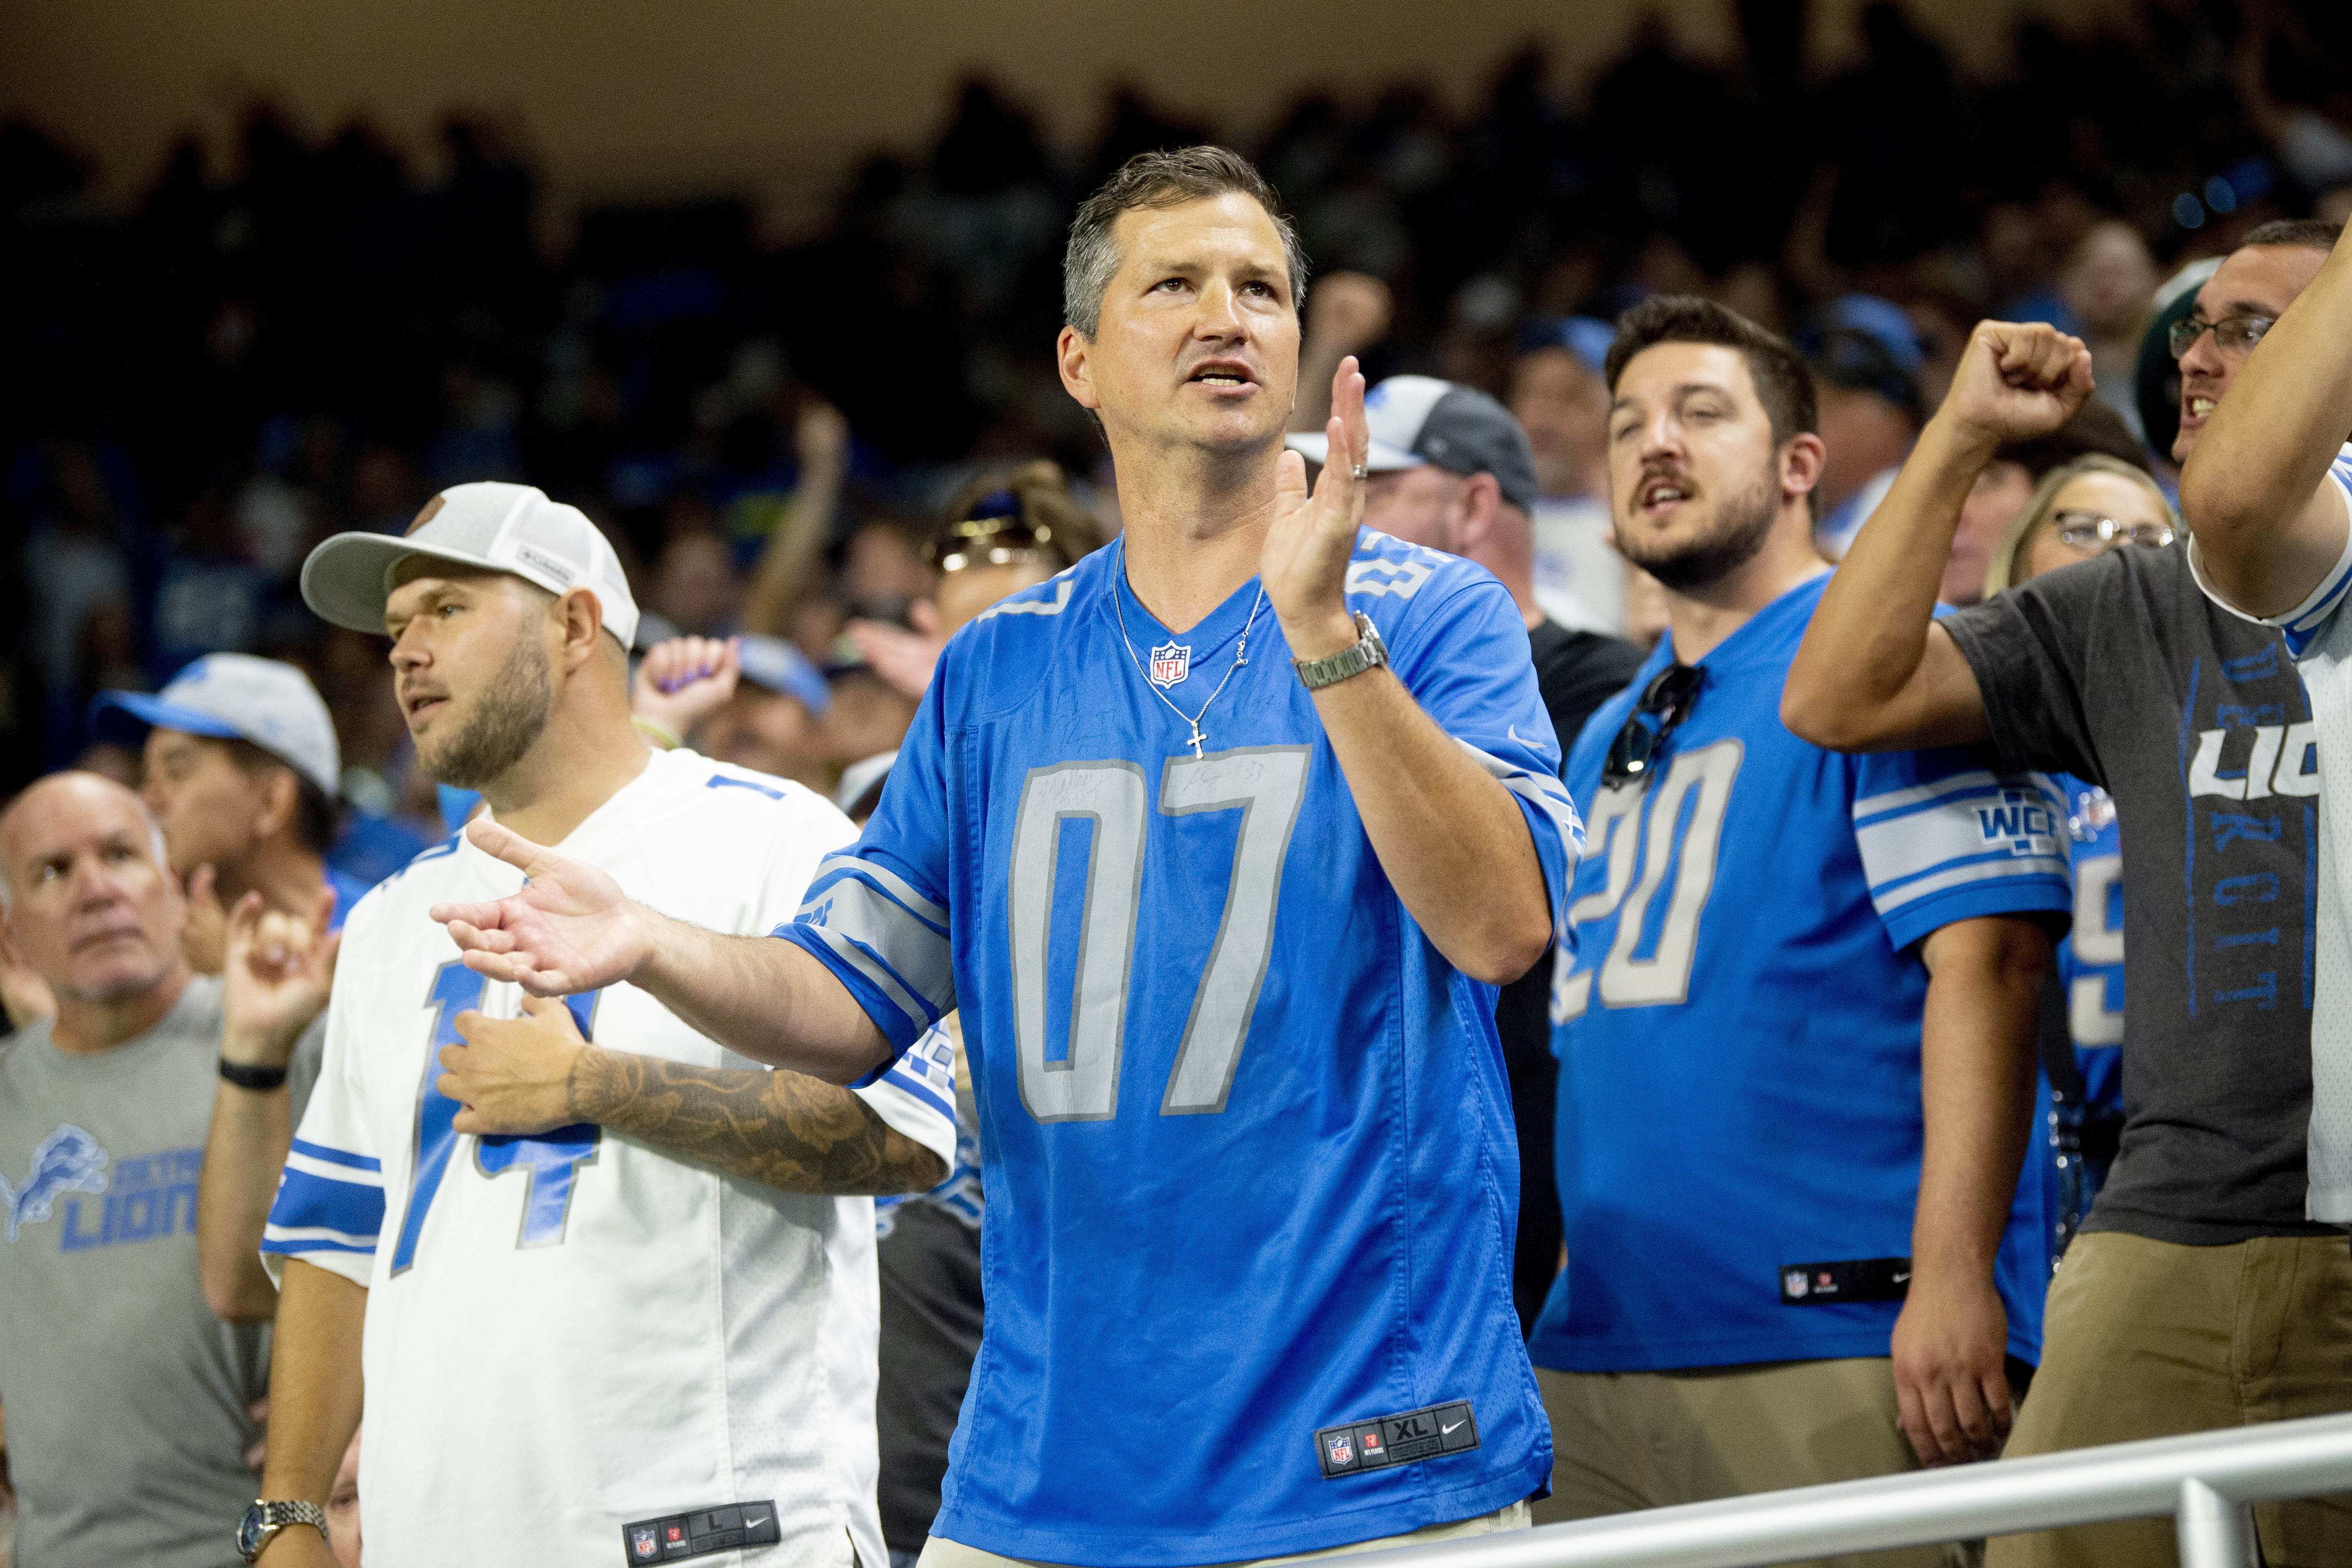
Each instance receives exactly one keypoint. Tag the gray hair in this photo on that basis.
(1163, 179)
(155, 846)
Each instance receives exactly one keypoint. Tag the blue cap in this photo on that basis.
(1586, 337)
(233, 696)
(779, 667)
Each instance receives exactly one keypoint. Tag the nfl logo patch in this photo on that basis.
(1170, 663)
(1793, 1282)
(1342, 1451)
(647, 1545)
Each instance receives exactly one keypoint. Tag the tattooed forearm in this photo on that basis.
(782, 1129)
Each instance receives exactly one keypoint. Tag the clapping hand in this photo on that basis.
(571, 928)
(1304, 563)
(2017, 381)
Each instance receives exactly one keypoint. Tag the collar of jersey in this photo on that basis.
(1770, 636)
(1212, 634)
(580, 842)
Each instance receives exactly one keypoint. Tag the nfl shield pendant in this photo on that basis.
(1170, 663)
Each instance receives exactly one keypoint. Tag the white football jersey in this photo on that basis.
(575, 1334)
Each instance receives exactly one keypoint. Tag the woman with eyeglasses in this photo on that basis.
(2080, 509)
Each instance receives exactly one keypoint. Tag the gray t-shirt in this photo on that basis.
(125, 1396)
(2120, 671)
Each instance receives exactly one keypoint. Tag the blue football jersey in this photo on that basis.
(1738, 1024)
(1245, 1135)
(2090, 959)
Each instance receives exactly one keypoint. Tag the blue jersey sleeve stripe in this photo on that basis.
(296, 1246)
(918, 956)
(1924, 916)
(305, 1199)
(2038, 882)
(890, 881)
(1994, 863)
(1974, 782)
(922, 1091)
(893, 1009)
(337, 1156)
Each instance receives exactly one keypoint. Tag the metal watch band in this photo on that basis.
(1368, 653)
(245, 1076)
(264, 1520)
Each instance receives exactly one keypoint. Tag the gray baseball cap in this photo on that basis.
(233, 696)
(1417, 419)
(495, 527)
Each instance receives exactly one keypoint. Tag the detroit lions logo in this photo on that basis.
(66, 1160)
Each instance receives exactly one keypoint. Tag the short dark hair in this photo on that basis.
(1783, 385)
(314, 808)
(1162, 179)
(2314, 233)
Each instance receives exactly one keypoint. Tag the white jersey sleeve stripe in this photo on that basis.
(294, 1240)
(1542, 791)
(1986, 870)
(890, 881)
(869, 965)
(918, 954)
(310, 1200)
(1974, 782)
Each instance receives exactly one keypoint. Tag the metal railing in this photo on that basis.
(2205, 1480)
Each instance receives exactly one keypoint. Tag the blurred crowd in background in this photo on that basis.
(206, 381)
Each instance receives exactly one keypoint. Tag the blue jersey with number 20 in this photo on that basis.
(1738, 1026)
(1246, 1134)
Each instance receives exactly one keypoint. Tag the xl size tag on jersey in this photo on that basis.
(1386, 1440)
(1855, 1279)
(719, 1527)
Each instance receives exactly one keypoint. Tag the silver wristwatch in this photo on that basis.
(1368, 653)
(263, 1520)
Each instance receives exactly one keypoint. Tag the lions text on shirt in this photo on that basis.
(1738, 1024)
(2319, 636)
(571, 1332)
(1245, 1135)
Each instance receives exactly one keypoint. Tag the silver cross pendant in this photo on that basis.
(1198, 738)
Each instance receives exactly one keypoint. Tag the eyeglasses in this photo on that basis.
(1665, 702)
(2096, 530)
(2233, 335)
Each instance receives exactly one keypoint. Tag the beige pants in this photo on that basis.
(1627, 1440)
(2148, 1339)
(940, 1553)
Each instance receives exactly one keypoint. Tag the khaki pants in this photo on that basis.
(938, 1552)
(2148, 1339)
(1627, 1440)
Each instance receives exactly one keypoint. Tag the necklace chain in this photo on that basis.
(1241, 654)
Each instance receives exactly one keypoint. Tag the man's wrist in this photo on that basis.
(1322, 635)
(1956, 441)
(245, 1046)
(588, 1087)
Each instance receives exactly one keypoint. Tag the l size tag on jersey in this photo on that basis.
(1855, 1279)
(1387, 1441)
(719, 1528)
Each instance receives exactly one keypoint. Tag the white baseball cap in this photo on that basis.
(497, 527)
(233, 696)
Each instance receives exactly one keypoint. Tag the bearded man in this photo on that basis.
(1777, 1268)
(603, 1295)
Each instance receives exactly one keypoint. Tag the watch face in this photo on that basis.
(248, 1533)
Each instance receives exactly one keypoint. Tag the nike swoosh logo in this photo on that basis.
(1903, 1279)
(754, 1522)
(1442, 1431)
